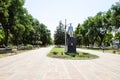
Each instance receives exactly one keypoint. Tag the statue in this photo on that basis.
(70, 30)
(71, 42)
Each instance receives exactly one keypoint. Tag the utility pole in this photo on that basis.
(65, 36)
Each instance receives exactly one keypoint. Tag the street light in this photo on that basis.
(65, 35)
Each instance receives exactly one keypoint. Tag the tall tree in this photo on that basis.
(59, 36)
(16, 19)
(4, 16)
(45, 34)
(1, 36)
(79, 35)
(116, 14)
(100, 25)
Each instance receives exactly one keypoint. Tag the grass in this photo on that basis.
(4, 53)
(107, 50)
(59, 53)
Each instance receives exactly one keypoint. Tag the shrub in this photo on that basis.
(85, 53)
(28, 47)
(72, 54)
(62, 53)
(114, 52)
(55, 53)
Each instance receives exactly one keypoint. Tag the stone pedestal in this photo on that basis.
(71, 45)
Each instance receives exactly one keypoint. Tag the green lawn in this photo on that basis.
(4, 55)
(10, 53)
(106, 50)
(59, 53)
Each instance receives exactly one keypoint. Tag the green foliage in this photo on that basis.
(98, 29)
(45, 35)
(29, 47)
(78, 34)
(108, 38)
(1, 36)
(54, 53)
(59, 53)
(116, 14)
(19, 27)
(59, 36)
(4, 4)
(117, 36)
(72, 54)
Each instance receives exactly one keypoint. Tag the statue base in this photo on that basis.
(71, 45)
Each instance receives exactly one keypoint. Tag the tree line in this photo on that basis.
(17, 26)
(104, 27)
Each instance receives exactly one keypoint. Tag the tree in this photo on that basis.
(20, 27)
(1, 36)
(89, 32)
(11, 12)
(45, 35)
(117, 37)
(116, 14)
(35, 35)
(4, 16)
(78, 34)
(17, 16)
(48, 35)
(92, 32)
(98, 29)
(59, 36)
(27, 21)
(108, 38)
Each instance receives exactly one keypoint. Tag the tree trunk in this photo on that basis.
(119, 44)
(6, 37)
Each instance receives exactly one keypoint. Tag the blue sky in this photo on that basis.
(50, 12)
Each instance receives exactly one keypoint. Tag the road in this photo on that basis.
(35, 65)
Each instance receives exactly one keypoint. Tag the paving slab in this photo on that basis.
(35, 65)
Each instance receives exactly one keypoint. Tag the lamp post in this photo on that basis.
(65, 37)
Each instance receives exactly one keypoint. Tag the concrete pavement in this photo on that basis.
(35, 65)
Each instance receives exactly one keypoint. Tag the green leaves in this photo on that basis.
(98, 29)
(1, 35)
(116, 14)
(59, 36)
(20, 27)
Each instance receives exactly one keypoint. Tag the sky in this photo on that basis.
(50, 12)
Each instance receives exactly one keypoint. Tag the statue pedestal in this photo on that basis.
(71, 45)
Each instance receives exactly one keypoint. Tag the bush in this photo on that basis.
(28, 47)
(72, 54)
(114, 52)
(62, 53)
(85, 53)
(55, 53)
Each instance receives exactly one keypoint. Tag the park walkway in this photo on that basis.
(34, 65)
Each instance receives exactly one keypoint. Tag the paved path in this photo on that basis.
(34, 65)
